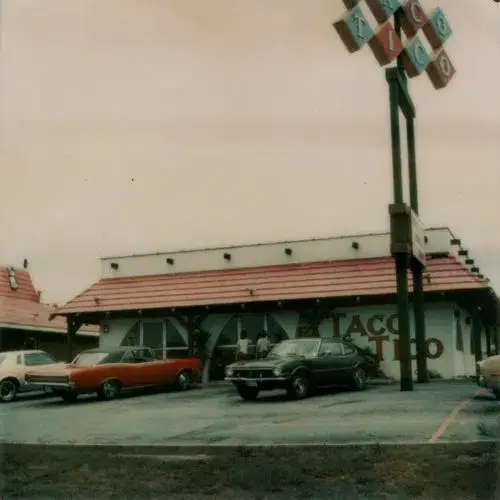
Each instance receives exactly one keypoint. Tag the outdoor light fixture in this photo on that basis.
(463, 253)
(227, 256)
(170, 261)
(288, 251)
(474, 269)
(469, 262)
(455, 241)
(355, 245)
(105, 329)
(114, 265)
(386, 41)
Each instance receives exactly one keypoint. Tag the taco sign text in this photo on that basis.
(379, 328)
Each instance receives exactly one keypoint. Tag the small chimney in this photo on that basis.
(39, 296)
(25, 264)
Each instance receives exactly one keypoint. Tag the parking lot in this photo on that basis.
(438, 411)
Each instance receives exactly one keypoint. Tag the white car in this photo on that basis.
(13, 368)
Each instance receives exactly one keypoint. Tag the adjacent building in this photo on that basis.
(326, 287)
(24, 318)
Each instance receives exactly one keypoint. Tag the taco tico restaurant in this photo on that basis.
(325, 287)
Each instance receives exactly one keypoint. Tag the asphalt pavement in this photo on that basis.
(433, 412)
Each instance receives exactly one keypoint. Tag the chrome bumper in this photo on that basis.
(256, 379)
(64, 386)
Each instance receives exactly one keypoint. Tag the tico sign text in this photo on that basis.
(379, 328)
(355, 31)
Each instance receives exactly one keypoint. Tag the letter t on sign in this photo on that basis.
(386, 45)
(354, 29)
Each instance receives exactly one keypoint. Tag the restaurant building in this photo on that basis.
(327, 287)
(24, 318)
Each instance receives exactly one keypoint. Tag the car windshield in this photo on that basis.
(295, 348)
(90, 358)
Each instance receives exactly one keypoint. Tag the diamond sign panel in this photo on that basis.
(383, 9)
(413, 17)
(437, 29)
(354, 29)
(415, 57)
(440, 70)
(386, 44)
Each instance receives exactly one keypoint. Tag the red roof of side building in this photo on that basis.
(268, 283)
(20, 306)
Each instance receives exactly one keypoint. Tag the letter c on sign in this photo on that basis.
(415, 10)
(438, 349)
(419, 52)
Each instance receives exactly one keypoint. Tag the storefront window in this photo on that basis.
(133, 336)
(275, 331)
(229, 334)
(174, 336)
(152, 334)
(253, 324)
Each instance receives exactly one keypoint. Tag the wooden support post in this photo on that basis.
(476, 338)
(71, 329)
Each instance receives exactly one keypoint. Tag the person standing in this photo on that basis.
(243, 347)
(263, 345)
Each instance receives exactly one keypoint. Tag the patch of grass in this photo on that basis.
(454, 471)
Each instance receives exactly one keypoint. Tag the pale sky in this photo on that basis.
(239, 120)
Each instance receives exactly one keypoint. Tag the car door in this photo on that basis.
(146, 367)
(331, 362)
(351, 359)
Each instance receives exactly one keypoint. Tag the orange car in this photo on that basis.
(109, 371)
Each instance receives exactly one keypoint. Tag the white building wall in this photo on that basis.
(266, 254)
(382, 319)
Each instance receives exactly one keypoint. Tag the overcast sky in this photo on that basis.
(148, 125)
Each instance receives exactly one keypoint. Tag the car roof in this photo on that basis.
(24, 351)
(109, 350)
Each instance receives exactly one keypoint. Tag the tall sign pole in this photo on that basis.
(411, 58)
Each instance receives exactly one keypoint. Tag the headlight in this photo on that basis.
(229, 372)
(277, 372)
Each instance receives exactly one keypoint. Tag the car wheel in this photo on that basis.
(69, 397)
(183, 381)
(358, 379)
(8, 390)
(248, 393)
(299, 386)
(109, 390)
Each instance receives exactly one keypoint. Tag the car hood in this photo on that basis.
(265, 363)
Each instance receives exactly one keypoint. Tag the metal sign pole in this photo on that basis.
(407, 232)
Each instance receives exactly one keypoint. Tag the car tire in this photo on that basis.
(8, 390)
(183, 381)
(358, 379)
(109, 390)
(69, 397)
(248, 393)
(299, 386)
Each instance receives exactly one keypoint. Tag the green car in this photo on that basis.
(299, 366)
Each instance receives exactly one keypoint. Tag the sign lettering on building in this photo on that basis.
(379, 330)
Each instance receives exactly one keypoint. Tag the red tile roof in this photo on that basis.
(25, 289)
(20, 307)
(272, 283)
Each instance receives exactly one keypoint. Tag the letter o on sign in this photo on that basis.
(437, 350)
